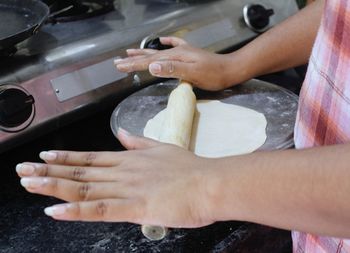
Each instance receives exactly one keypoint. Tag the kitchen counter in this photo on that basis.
(25, 228)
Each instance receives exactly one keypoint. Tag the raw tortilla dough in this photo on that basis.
(219, 129)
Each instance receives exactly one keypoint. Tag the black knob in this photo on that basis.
(16, 109)
(257, 17)
(154, 43)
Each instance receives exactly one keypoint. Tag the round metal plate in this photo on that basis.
(277, 104)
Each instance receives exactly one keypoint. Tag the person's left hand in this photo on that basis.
(152, 183)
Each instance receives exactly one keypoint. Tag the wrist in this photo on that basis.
(222, 191)
(237, 69)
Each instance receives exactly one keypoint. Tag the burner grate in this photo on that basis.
(73, 10)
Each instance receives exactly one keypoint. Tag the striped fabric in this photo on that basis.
(324, 110)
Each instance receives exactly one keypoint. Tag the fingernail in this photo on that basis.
(123, 66)
(116, 61)
(155, 68)
(48, 156)
(25, 169)
(56, 210)
(130, 50)
(32, 182)
(122, 131)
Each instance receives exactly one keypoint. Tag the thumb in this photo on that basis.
(134, 142)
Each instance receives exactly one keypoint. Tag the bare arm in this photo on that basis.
(286, 45)
(306, 190)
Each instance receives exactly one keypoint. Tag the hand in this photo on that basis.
(153, 183)
(203, 69)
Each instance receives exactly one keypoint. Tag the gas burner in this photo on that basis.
(73, 10)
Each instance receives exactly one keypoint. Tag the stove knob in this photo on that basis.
(257, 17)
(153, 43)
(16, 109)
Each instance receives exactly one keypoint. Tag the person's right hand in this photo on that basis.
(203, 69)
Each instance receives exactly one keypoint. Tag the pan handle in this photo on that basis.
(36, 29)
(54, 14)
(42, 20)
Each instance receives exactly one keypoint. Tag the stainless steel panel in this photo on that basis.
(210, 34)
(87, 79)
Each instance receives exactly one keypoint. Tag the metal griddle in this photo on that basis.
(277, 104)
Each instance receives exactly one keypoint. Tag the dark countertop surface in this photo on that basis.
(25, 228)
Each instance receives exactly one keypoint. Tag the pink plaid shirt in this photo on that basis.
(324, 110)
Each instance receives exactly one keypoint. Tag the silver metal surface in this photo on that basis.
(86, 79)
(53, 64)
(212, 33)
(66, 43)
(277, 104)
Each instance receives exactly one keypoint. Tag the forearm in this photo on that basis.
(287, 45)
(300, 190)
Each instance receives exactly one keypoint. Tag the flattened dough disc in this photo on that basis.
(219, 129)
(277, 104)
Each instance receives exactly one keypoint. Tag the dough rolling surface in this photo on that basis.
(219, 129)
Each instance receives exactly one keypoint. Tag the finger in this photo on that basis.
(132, 63)
(69, 190)
(135, 63)
(171, 69)
(142, 62)
(131, 59)
(76, 173)
(135, 142)
(112, 210)
(136, 52)
(172, 41)
(79, 158)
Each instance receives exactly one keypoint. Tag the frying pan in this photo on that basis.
(20, 19)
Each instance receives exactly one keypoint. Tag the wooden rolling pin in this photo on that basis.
(177, 128)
